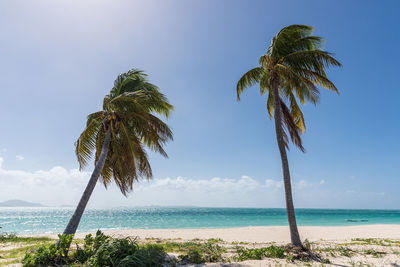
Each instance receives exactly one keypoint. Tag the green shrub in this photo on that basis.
(12, 237)
(151, 255)
(5, 237)
(249, 254)
(200, 253)
(97, 251)
(49, 255)
(259, 253)
(181, 246)
(374, 253)
(215, 240)
(126, 252)
(343, 251)
(90, 246)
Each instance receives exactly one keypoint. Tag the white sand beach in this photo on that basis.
(322, 238)
(261, 234)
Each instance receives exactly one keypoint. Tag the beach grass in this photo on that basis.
(352, 252)
(13, 247)
(11, 237)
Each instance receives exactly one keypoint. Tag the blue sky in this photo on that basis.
(59, 59)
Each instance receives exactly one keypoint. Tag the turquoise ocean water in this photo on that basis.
(53, 220)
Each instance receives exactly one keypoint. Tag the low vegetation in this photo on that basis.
(259, 253)
(206, 252)
(103, 250)
(49, 255)
(5, 237)
(97, 251)
(13, 247)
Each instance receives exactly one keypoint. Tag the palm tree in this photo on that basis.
(291, 70)
(119, 134)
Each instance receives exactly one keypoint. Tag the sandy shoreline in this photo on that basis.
(379, 245)
(260, 234)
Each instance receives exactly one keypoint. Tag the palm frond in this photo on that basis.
(250, 78)
(291, 126)
(297, 114)
(133, 77)
(307, 43)
(314, 60)
(293, 81)
(147, 101)
(296, 62)
(130, 112)
(316, 78)
(284, 42)
(264, 82)
(86, 142)
(128, 161)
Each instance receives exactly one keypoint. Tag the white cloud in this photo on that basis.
(56, 185)
(322, 181)
(242, 192)
(19, 157)
(273, 184)
(61, 186)
(302, 184)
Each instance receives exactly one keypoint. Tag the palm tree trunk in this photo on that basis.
(76, 217)
(294, 233)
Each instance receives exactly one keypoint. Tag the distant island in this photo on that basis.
(19, 203)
